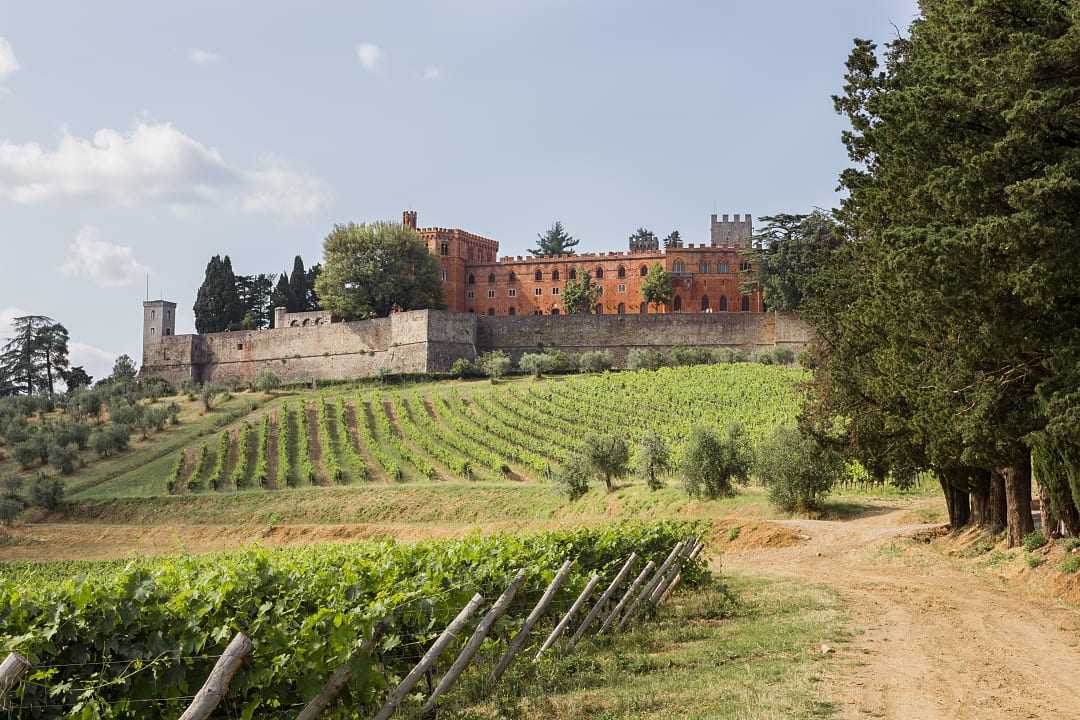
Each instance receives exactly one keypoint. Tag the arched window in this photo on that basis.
(538, 276)
(746, 303)
(444, 249)
(491, 311)
(471, 310)
(554, 311)
(316, 321)
(722, 304)
(512, 311)
(704, 303)
(573, 274)
(167, 332)
(599, 273)
(643, 308)
(491, 278)
(679, 267)
(744, 265)
(304, 323)
(676, 304)
(512, 276)
(644, 270)
(554, 274)
(153, 331)
(703, 267)
(599, 309)
(472, 279)
(153, 314)
(294, 323)
(538, 312)
(622, 308)
(622, 271)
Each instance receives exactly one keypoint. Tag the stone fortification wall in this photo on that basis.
(620, 334)
(429, 341)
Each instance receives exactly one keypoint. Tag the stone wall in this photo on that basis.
(620, 334)
(429, 341)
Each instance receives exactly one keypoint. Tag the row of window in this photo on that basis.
(643, 308)
(678, 267)
(512, 292)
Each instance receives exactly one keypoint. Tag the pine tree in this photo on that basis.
(644, 240)
(254, 292)
(673, 241)
(556, 241)
(36, 356)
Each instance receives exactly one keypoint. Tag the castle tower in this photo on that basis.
(408, 219)
(159, 320)
(731, 233)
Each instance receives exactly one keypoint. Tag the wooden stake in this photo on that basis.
(676, 568)
(664, 566)
(678, 576)
(603, 599)
(430, 657)
(534, 617)
(12, 670)
(215, 687)
(561, 627)
(342, 675)
(497, 610)
(626, 596)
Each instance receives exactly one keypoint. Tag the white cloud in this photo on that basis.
(8, 63)
(153, 163)
(7, 317)
(371, 56)
(97, 362)
(203, 57)
(103, 263)
(432, 72)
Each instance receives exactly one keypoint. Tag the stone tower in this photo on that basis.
(731, 233)
(159, 320)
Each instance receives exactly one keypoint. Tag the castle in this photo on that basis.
(510, 304)
(706, 277)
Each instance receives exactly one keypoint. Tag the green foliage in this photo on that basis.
(536, 364)
(495, 364)
(644, 240)
(797, 470)
(1034, 541)
(239, 476)
(465, 368)
(653, 460)
(580, 295)
(657, 289)
(286, 421)
(47, 492)
(372, 269)
(266, 381)
(794, 247)
(556, 241)
(217, 473)
(765, 357)
(34, 357)
(305, 609)
(593, 361)
(111, 439)
(198, 480)
(712, 462)
(784, 356)
(1071, 564)
(607, 456)
(217, 304)
(639, 359)
(63, 458)
(682, 356)
(305, 468)
(1033, 561)
(326, 442)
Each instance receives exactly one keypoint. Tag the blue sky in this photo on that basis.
(139, 138)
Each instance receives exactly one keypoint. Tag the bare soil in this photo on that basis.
(310, 425)
(375, 471)
(938, 640)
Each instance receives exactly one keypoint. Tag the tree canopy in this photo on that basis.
(792, 248)
(217, 304)
(580, 294)
(372, 269)
(644, 240)
(657, 289)
(556, 241)
(35, 356)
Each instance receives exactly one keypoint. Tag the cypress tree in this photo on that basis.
(217, 304)
(298, 285)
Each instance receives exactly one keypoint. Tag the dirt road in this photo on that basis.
(939, 641)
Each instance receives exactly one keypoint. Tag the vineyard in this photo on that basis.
(518, 430)
(139, 639)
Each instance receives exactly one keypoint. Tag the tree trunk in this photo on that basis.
(997, 501)
(607, 481)
(1048, 521)
(956, 500)
(1018, 501)
(980, 498)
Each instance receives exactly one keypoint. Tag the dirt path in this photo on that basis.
(939, 641)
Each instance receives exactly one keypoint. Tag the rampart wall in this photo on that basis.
(429, 341)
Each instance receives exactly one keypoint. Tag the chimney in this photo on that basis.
(408, 219)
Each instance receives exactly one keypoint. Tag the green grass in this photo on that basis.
(745, 650)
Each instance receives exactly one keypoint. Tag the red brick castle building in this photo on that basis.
(706, 278)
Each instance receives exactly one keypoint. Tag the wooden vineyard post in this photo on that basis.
(561, 627)
(534, 617)
(657, 576)
(342, 675)
(466, 655)
(12, 670)
(603, 599)
(432, 655)
(678, 576)
(215, 687)
(676, 568)
(630, 591)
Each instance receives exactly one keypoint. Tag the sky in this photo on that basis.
(137, 139)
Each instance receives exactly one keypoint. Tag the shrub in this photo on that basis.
(798, 471)
(111, 439)
(1034, 540)
(9, 509)
(564, 363)
(765, 357)
(682, 356)
(62, 458)
(784, 356)
(495, 364)
(723, 356)
(536, 364)
(1034, 562)
(607, 456)
(639, 359)
(595, 361)
(806, 360)
(25, 453)
(172, 411)
(713, 462)
(1071, 564)
(465, 368)
(125, 413)
(207, 394)
(738, 356)
(267, 381)
(46, 492)
(653, 460)
(12, 486)
(573, 476)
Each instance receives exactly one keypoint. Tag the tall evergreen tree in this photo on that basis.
(298, 284)
(673, 241)
(36, 355)
(792, 248)
(556, 241)
(217, 304)
(282, 295)
(254, 292)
